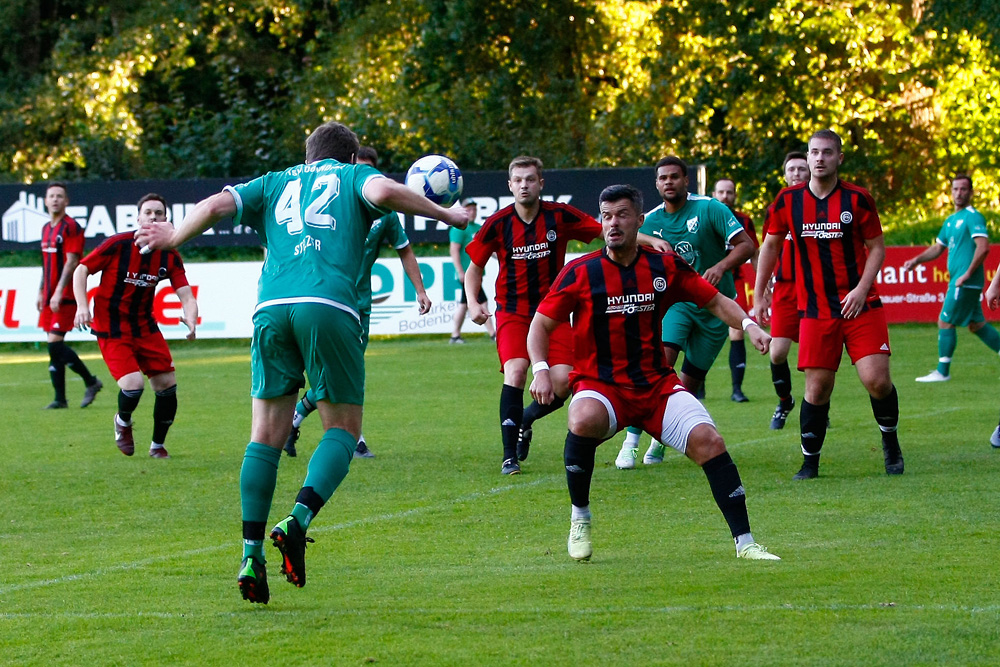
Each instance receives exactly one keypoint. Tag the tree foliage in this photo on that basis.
(117, 90)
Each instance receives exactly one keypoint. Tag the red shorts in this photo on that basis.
(784, 311)
(61, 322)
(512, 340)
(148, 354)
(642, 407)
(822, 341)
(741, 294)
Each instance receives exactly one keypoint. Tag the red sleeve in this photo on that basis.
(175, 271)
(100, 257)
(579, 225)
(73, 243)
(562, 298)
(689, 286)
(750, 230)
(774, 223)
(484, 243)
(871, 225)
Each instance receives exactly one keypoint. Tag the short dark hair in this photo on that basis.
(152, 196)
(793, 155)
(674, 161)
(614, 193)
(962, 177)
(524, 161)
(332, 140)
(57, 184)
(368, 154)
(725, 178)
(829, 135)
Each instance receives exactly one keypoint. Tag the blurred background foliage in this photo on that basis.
(116, 89)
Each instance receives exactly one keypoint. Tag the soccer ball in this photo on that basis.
(437, 178)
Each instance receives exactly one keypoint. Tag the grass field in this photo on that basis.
(427, 556)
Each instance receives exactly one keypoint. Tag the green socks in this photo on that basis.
(257, 479)
(327, 468)
(989, 336)
(947, 340)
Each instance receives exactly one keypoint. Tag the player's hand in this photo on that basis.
(961, 280)
(541, 388)
(661, 245)
(762, 309)
(83, 318)
(424, 303)
(478, 313)
(713, 275)
(993, 295)
(759, 338)
(191, 328)
(153, 236)
(55, 301)
(852, 304)
(40, 301)
(909, 264)
(457, 217)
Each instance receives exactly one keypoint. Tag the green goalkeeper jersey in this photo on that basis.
(958, 234)
(698, 232)
(387, 230)
(313, 220)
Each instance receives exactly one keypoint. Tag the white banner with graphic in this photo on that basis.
(227, 293)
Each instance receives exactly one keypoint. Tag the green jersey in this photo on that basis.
(698, 232)
(313, 220)
(463, 236)
(958, 234)
(388, 230)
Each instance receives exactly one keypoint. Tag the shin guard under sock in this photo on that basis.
(578, 455)
(511, 414)
(886, 411)
(737, 362)
(128, 401)
(781, 378)
(536, 411)
(164, 411)
(727, 489)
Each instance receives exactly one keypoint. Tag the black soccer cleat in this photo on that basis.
(252, 581)
(510, 467)
(781, 414)
(90, 393)
(893, 459)
(739, 397)
(289, 538)
(809, 469)
(56, 405)
(523, 443)
(293, 437)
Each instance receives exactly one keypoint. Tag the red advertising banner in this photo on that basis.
(912, 296)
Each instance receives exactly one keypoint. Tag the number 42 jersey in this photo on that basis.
(313, 220)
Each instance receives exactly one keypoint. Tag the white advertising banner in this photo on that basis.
(227, 293)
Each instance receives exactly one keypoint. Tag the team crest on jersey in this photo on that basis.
(846, 217)
(162, 273)
(686, 251)
(550, 235)
(659, 284)
(692, 224)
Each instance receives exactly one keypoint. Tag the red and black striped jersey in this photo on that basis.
(829, 235)
(784, 268)
(530, 253)
(618, 312)
(66, 236)
(123, 305)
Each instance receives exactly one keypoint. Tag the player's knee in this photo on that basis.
(588, 423)
(56, 350)
(704, 444)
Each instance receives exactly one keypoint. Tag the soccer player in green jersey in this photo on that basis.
(701, 230)
(964, 236)
(457, 240)
(313, 219)
(387, 230)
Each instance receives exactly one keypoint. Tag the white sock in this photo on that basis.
(118, 420)
(155, 445)
(297, 419)
(631, 440)
(743, 540)
(580, 513)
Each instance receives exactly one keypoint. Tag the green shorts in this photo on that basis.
(699, 333)
(962, 306)
(366, 320)
(320, 341)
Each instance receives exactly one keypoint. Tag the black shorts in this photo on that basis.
(465, 299)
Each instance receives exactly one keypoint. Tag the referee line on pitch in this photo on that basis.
(392, 516)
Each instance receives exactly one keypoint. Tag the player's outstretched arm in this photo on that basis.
(743, 249)
(412, 270)
(478, 312)
(766, 260)
(387, 193)
(929, 254)
(83, 317)
(978, 257)
(654, 242)
(189, 305)
(538, 351)
(65, 279)
(163, 236)
(730, 312)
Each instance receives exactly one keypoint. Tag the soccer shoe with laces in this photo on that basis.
(579, 545)
(510, 467)
(56, 405)
(654, 454)
(90, 393)
(362, 451)
(754, 551)
(893, 459)
(252, 581)
(289, 538)
(158, 453)
(293, 437)
(934, 376)
(123, 438)
(626, 458)
(523, 443)
(995, 438)
(781, 414)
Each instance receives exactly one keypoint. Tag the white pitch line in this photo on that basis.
(393, 516)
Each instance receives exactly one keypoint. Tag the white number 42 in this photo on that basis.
(288, 210)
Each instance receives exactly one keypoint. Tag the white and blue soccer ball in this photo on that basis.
(437, 178)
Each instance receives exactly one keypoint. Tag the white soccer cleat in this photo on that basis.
(654, 454)
(995, 438)
(934, 376)
(579, 545)
(626, 458)
(754, 551)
